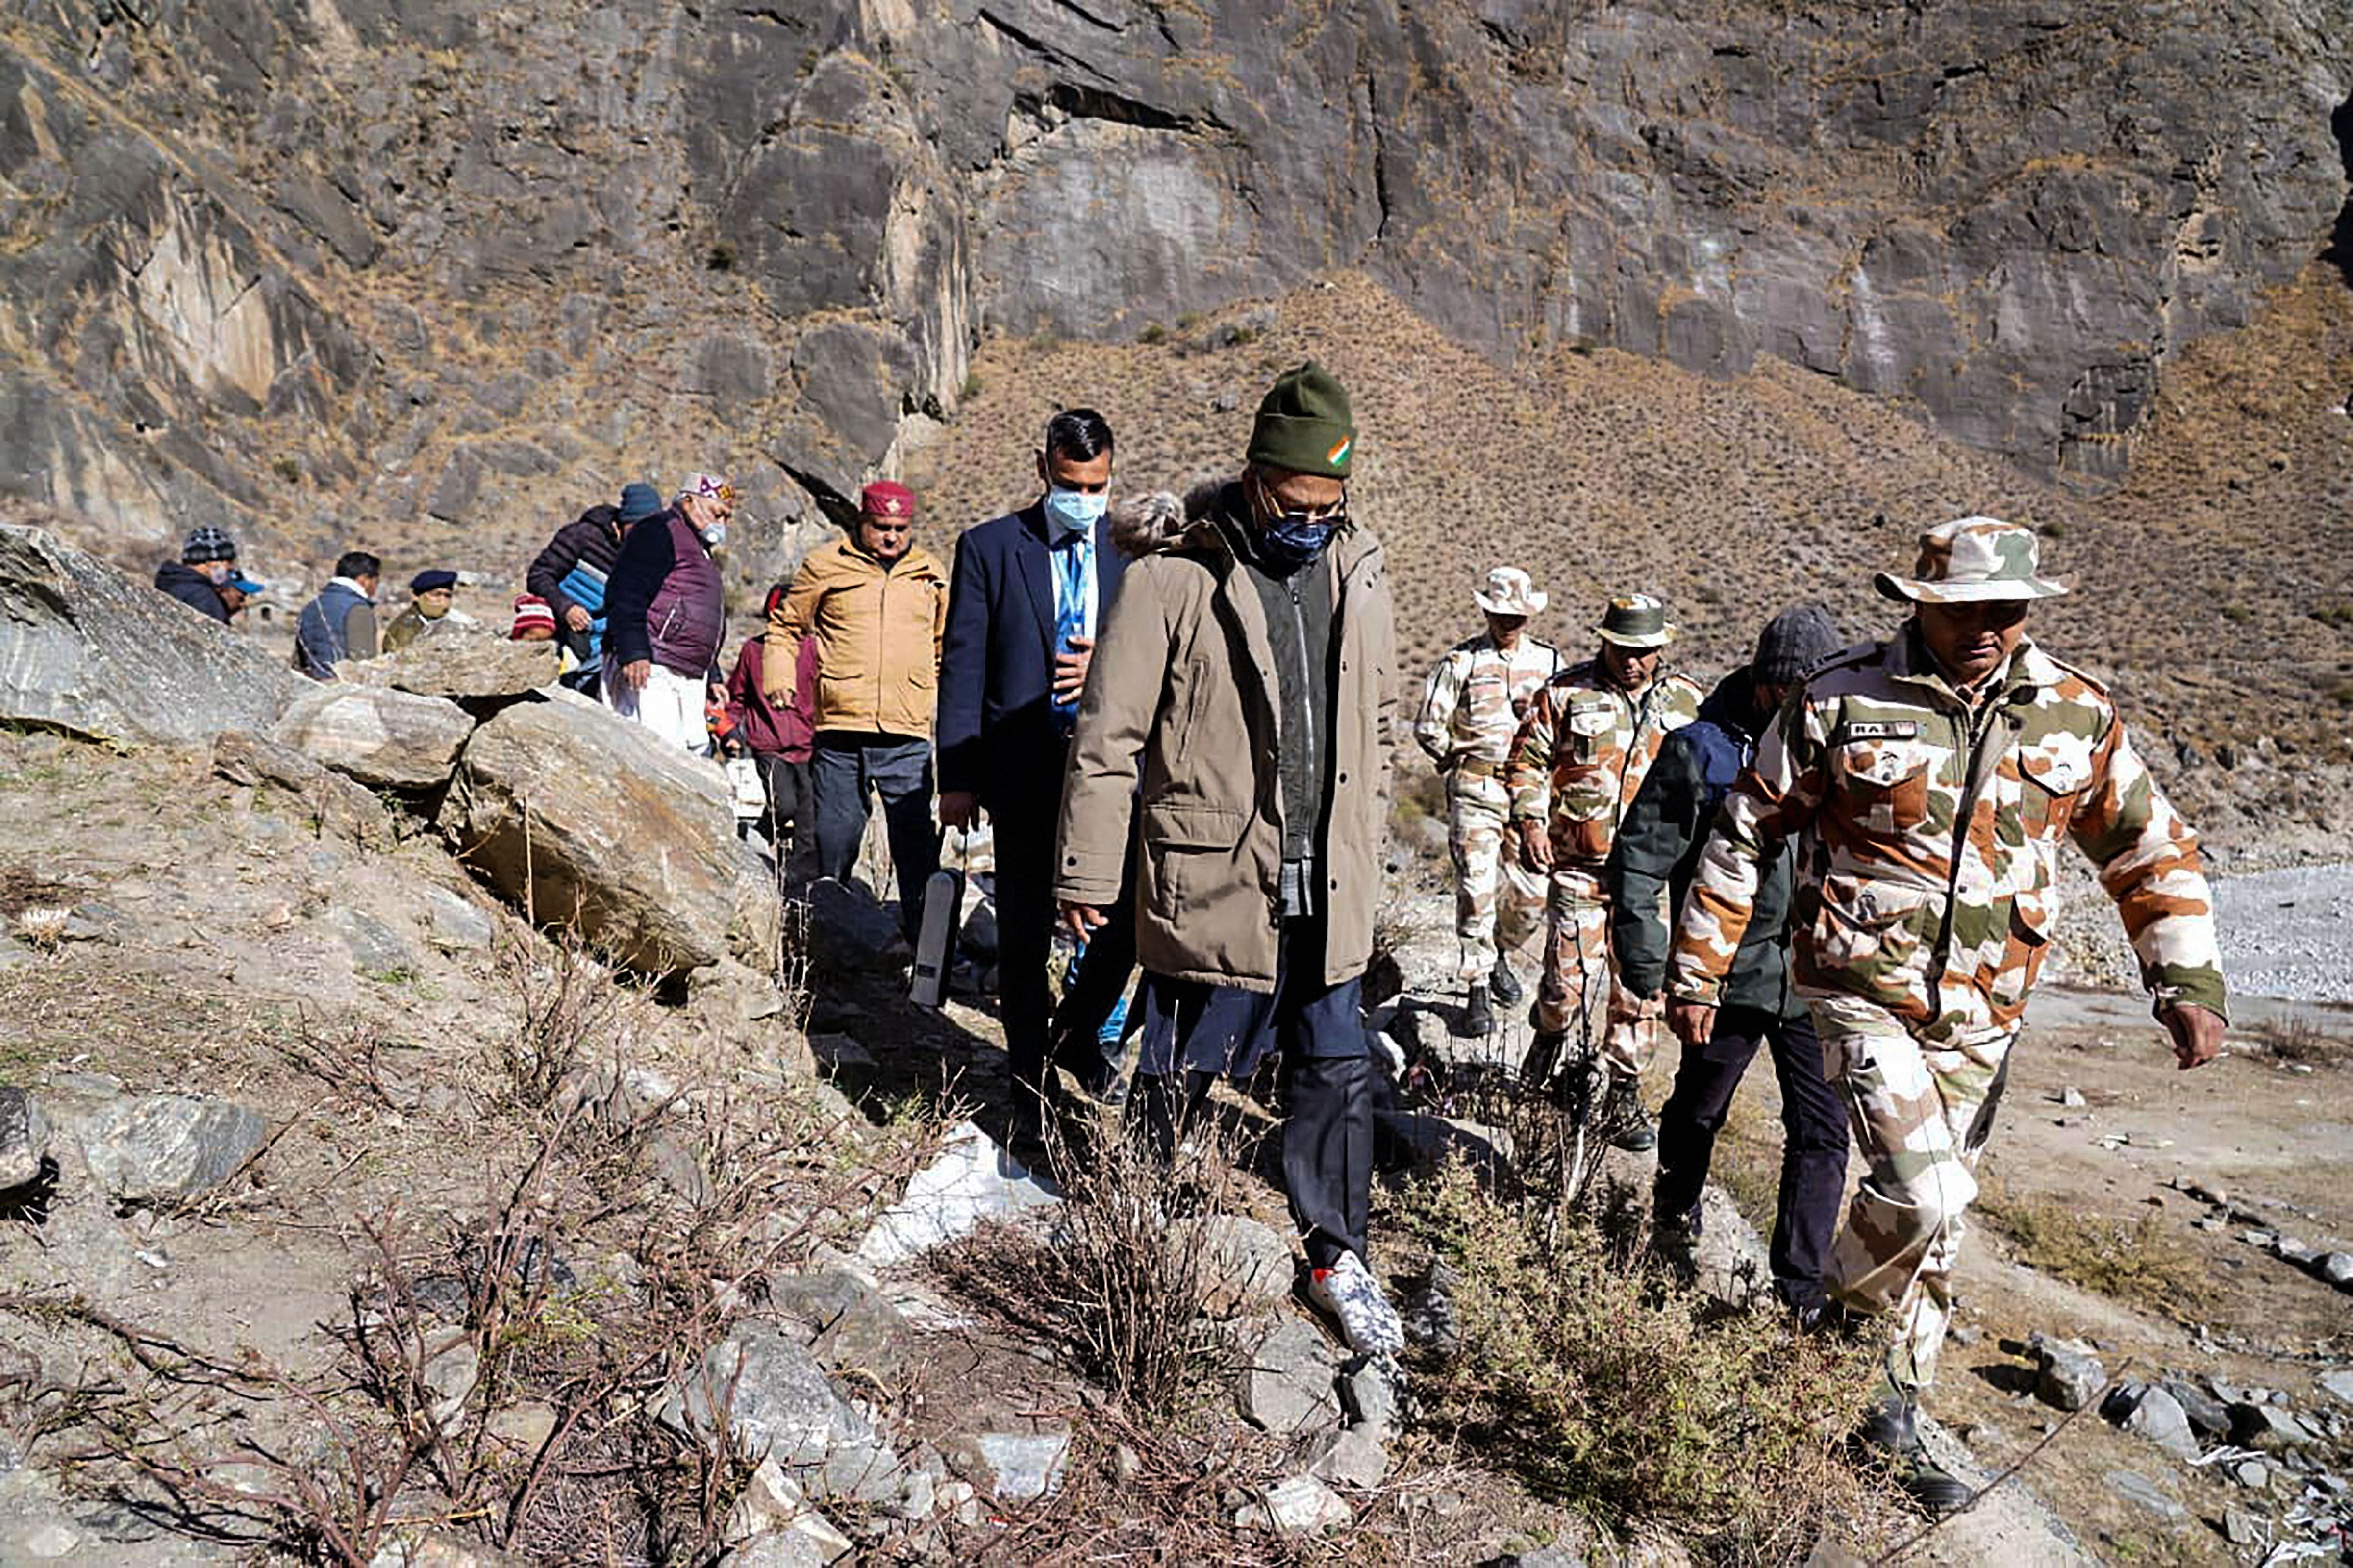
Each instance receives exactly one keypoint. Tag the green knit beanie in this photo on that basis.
(1304, 424)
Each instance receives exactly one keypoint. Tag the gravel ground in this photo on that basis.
(2289, 933)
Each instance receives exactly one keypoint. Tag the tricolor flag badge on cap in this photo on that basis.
(1339, 453)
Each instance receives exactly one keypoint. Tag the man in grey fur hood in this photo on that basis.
(1238, 712)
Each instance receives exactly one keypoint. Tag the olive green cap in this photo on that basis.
(1304, 424)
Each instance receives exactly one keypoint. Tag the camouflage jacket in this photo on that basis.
(1587, 746)
(1927, 840)
(1476, 697)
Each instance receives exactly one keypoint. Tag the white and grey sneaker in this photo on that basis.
(1348, 1291)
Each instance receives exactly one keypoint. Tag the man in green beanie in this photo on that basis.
(1238, 712)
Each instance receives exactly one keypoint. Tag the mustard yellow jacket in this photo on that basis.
(878, 629)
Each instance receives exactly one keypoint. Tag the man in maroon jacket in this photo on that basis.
(780, 734)
(667, 612)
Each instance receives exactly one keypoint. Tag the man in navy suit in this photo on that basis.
(1028, 593)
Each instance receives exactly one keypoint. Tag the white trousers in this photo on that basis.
(670, 704)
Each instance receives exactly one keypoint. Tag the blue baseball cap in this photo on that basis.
(245, 584)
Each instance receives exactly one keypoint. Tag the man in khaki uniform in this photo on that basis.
(1927, 784)
(1587, 742)
(1471, 708)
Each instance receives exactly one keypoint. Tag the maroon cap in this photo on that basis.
(885, 498)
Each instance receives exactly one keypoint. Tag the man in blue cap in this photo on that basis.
(430, 593)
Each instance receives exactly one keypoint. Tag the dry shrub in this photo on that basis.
(570, 1014)
(1122, 1283)
(2137, 1262)
(2298, 1038)
(1621, 1398)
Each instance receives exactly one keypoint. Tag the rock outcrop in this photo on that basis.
(383, 738)
(634, 217)
(85, 649)
(586, 820)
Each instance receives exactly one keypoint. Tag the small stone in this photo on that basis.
(164, 1147)
(1370, 1398)
(1127, 1464)
(1027, 1467)
(1288, 1387)
(451, 1374)
(2337, 1267)
(1245, 1267)
(2339, 1384)
(2296, 1250)
(2157, 1417)
(1299, 1505)
(2241, 1527)
(1962, 1334)
(2251, 1473)
(2072, 1098)
(1353, 1457)
(24, 1138)
(52, 1541)
(2270, 1427)
(2068, 1376)
(2142, 1492)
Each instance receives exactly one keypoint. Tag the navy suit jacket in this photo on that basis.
(998, 738)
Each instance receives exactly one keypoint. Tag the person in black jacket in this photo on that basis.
(206, 559)
(570, 574)
(1657, 849)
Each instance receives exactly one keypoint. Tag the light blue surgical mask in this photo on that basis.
(715, 536)
(1073, 511)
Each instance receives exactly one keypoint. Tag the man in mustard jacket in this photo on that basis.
(1239, 707)
(878, 603)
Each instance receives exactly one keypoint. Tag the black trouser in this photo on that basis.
(1813, 1143)
(1026, 915)
(792, 813)
(899, 768)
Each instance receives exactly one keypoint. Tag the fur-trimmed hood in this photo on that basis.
(1147, 524)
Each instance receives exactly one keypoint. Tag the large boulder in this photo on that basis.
(587, 820)
(459, 665)
(86, 650)
(388, 738)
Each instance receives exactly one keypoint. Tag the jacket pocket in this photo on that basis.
(1866, 936)
(1190, 853)
(2056, 770)
(1888, 783)
(2028, 942)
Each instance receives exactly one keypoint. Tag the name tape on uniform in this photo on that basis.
(1881, 729)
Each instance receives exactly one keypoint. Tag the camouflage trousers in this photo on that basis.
(1580, 996)
(1921, 1107)
(1497, 901)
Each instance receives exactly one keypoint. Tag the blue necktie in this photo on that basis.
(1070, 608)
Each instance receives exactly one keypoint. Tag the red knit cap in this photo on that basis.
(531, 610)
(885, 498)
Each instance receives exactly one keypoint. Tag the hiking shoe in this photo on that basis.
(1674, 1241)
(1477, 1020)
(1350, 1294)
(1891, 1436)
(1505, 984)
(1624, 1122)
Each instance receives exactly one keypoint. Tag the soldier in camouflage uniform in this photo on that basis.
(1473, 706)
(1588, 742)
(1927, 784)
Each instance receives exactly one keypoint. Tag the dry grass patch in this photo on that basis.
(2137, 1262)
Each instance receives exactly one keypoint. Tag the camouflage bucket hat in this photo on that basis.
(1510, 592)
(1972, 560)
(1636, 620)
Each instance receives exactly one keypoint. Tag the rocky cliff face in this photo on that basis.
(290, 263)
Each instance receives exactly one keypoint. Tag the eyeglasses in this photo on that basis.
(1304, 517)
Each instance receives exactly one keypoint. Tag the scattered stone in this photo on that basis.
(376, 948)
(2068, 1374)
(846, 1321)
(778, 1525)
(2251, 1473)
(1246, 1267)
(2155, 1414)
(454, 923)
(2339, 1384)
(2072, 1098)
(1127, 1464)
(1288, 1388)
(385, 738)
(2240, 1528)
(2142, 1492)
(1428, 1311)
(2208, 1415)
(24, 1138)
(584, 819)
(2296, 1250)
(776, 1401)
(973, 1180)
(2270, 1427)
(1963, 1334)
(1351, 1457)
(524, 1427)
(439, 1548)
(163, 1147)
(1300, 1505)
(86, 650)
(1370, 1399)
(53, 1540)
(451, 1374)
(1026, 1466)
(2337, 1267)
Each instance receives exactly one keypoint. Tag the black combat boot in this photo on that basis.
(1891, 1433)
(1543, 1055)
(1504, 982)
(1477, 1020)
(1623, 1120)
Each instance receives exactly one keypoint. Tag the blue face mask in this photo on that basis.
(715, 536)
(1073, 511)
